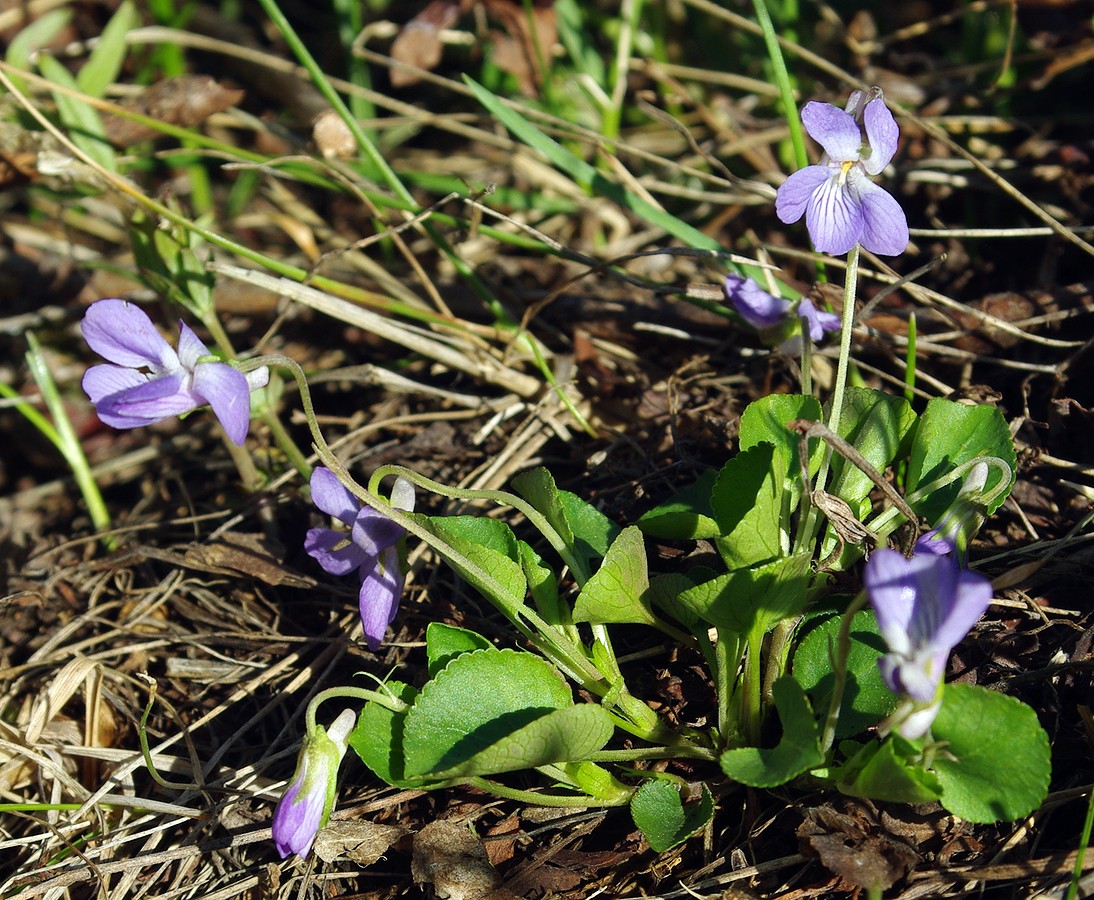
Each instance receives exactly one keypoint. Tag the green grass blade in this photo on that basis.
(106, 60)
(587, 177)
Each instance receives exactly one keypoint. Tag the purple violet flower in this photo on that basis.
(308, 801)
(369, 547)
(841, 205)
(924, 607)
(147, 381)
(765, 312)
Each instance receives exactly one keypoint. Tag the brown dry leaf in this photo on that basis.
(248, 554)
(855, 848)
(357, 840)
(452, 858)
(183, 101)
(524, 45)
(419, 44)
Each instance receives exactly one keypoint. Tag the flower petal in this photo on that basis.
(191, 348)
(225, 390)
(882, 133)
(755, 305)
(334, 551)
(332, 497)
(892, 595)
(381, 589)
(917, 722)
(373, 531)
(102, 381)
(794, 194)
(834, 218)
(296, 820)
(819, 322)
(834, 129)
(257, 378)
(123, 333)
(150, 401)
(402, 494)
(885, 227)
(970, 599)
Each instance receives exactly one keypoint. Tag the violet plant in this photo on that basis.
(860, 693)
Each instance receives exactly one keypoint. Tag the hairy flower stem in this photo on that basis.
(839, 389)
(241, 457)
(388, 701)
(839, 671)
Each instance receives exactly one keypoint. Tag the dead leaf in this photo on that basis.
(525, 45)
(247, 554)
(452, 858)
(357, 840)
(183, 101)
(855, 848)
(419, 44)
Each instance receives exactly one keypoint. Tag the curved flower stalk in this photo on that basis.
(924, 605)
(370, 547)
(841, 205)
(308, 801)
(773, 315)
(147, 381)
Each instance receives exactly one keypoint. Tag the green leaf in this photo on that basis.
(616, 592)
(664, 592)
(948, 435)
(542, 583)
(752, 600)
(876, 424)
(879, 772)
(81, 120)
(480, 541)
(687, 515)
(765, 420)
(866, 700)
(747, 501)
(585, 175)
(474, 702)
(378, 737)
(443, 643)
(538, 487)
(1003, 761)
(37, 33)
(563, 735)
(797, 752)
(108, 57)
(593, 531)
(660, 814)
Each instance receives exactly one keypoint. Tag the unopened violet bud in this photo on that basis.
(960, 523)
(924, 605)
(308, 801)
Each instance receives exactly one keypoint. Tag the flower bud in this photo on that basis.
(308, 801)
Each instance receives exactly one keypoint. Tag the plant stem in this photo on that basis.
(839, 389)
(63, 437)
(839, 671)
(386, 700)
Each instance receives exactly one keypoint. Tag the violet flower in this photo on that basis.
(307, 803)
(765, 312)
(924, 607)
(841, 205)
(369, 547)
(147, 381)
